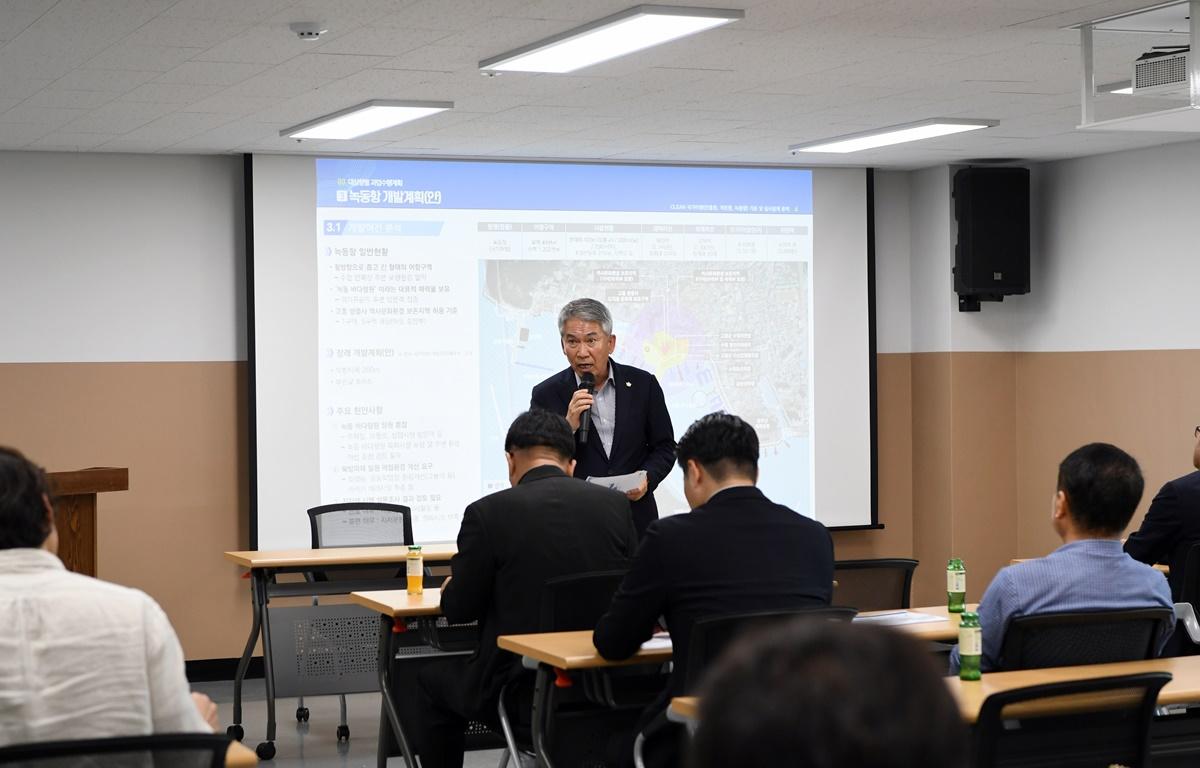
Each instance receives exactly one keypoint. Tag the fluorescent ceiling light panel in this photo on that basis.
(642, 26)
(368, 117)
(896, 134)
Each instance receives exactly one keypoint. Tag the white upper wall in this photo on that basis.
(893, 262)
(929, 229)
(1115, 263)
(112, 257)
(1116, 257)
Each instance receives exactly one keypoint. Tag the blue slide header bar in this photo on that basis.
(459, 184)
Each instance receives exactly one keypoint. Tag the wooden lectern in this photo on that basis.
(75, 512)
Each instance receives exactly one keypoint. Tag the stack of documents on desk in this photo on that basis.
(657, 642)
(899, 618)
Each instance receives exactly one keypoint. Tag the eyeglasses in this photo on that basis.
(591, 342)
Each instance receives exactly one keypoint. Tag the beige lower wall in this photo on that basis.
(969, 444)
(989, 430)
(1146, 402)
(180, 429)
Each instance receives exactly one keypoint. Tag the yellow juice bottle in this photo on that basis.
(415, 570)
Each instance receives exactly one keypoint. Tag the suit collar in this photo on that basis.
(621, 383)
(735, 494)
(541, 473)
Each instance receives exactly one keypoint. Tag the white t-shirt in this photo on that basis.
(81, 658)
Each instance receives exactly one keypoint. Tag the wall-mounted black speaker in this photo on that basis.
(991, 257)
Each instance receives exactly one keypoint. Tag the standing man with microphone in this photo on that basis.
(617, 411)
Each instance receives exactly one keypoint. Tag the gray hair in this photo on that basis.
(588, 310)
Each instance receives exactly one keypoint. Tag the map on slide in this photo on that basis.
(719, 336)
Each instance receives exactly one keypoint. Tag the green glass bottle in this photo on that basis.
(970, 646)
(956, 586)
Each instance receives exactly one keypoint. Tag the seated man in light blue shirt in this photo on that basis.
(1099, 486)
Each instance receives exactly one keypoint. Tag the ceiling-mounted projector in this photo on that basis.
(1162, 72)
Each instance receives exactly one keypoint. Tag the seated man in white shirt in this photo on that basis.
(79, 658)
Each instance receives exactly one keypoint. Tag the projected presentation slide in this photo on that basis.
(439, 285)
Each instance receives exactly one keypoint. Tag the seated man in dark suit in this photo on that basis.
(1171, 526)
(510, 543)
(735, 552)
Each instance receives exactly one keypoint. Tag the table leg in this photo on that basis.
(266, 750)
(384, 663)
(236, 730)
(543, 691)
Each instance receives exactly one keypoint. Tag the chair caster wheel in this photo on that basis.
(236, 732)
(301, 714)
(343, 733)
(265, 751)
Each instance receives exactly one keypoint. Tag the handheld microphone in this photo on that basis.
(586, 381)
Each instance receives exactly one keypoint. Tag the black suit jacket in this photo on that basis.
(738, 553)
(1170, 528)
(642, 439)
(511, 542)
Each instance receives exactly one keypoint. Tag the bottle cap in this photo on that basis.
(414, 547)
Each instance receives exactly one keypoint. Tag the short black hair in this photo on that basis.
(23, 521)
(720, 442)
(824, 694)
(1103, 486)
(540, 428)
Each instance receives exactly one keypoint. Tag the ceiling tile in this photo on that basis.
(60, 141)
(226, 103)
(326, 65)
(182, 33)
(20, 88)
(82, 100)
(442, 58)
(70, 33)
(258, 45)
(180, 94)
(13, 22)
(173, 128)
(149, 58)
(119, 117)
(210, 73)
(227, 75)
(383, 40)
(48, 117)
(108, 80)
(17, 135)
(226, 10)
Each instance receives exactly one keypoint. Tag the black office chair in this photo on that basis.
(711, 636)
(1186, 640)
(1094, 637)
(360, 524)
(590, 704)
(874, 585)
(1111, 728)
(355, 524)
(187, 750)
(709, 639)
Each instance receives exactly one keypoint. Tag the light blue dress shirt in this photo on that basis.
(1086, 575)
(604, 411)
